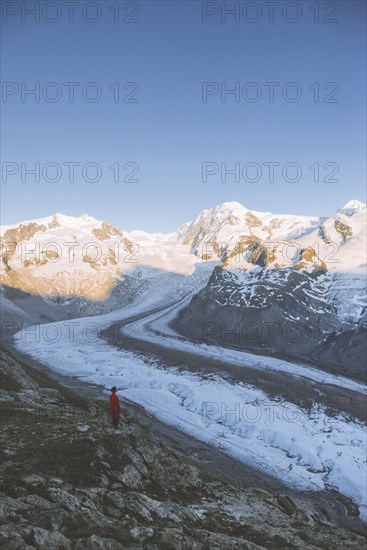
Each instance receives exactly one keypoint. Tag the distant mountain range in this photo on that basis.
(68, 256)
(263, 269)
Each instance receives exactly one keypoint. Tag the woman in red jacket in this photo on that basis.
(115, 407)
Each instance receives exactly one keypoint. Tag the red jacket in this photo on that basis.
(115, 405)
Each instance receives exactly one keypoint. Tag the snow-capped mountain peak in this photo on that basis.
(354, 203)
(68, 249)
(352, 206)
(216, 231)
(63, 255)
(230, 205)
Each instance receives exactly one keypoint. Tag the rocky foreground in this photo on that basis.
(70, 482)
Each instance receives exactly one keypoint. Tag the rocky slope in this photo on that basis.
(285, 315)
(70, 482)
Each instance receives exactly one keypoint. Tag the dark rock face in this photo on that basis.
(70, 482)
(347, 349)
(281, 311)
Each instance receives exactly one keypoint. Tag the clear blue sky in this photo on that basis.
(170, 132)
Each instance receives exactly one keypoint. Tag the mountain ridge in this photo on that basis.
(60, 257)
(351, 204)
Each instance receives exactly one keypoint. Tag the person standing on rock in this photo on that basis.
(115, 407)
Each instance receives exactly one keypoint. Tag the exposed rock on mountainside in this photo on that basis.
(307, 257)
(70, 482)
(24, 232)
(106, 231)
(252, 250)
(344, 229)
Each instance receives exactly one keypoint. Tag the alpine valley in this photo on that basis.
(285, 284)
(238, 346)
